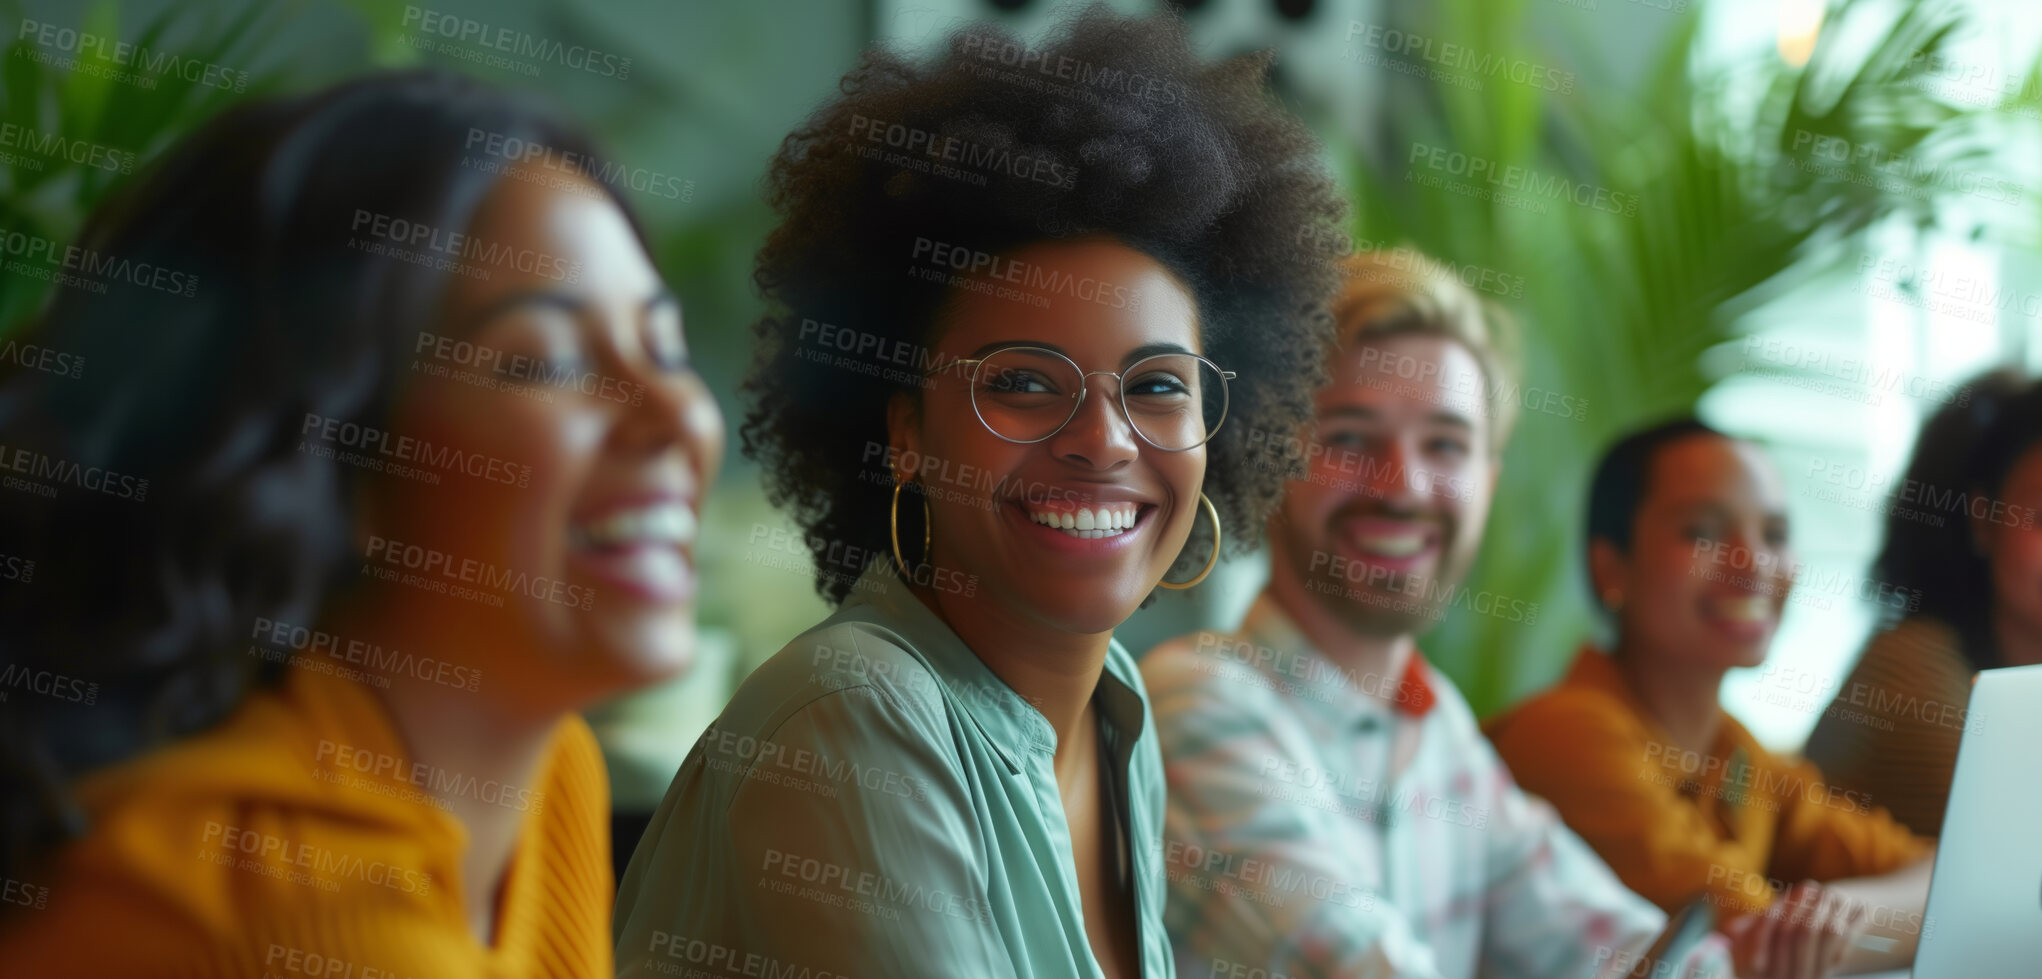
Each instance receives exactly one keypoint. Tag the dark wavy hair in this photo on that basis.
(1968, 446)
(149, 594)
(1194, 165)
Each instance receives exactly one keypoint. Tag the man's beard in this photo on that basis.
(1373, 601)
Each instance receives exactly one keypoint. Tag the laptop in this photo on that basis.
(1984, 916)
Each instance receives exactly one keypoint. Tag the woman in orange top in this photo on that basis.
(386, 460)
(1688, 551)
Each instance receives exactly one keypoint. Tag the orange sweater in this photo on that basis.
(297, 839)
(1896, 723)
(1735, 824)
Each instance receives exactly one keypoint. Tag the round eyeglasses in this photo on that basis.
(1174, 401)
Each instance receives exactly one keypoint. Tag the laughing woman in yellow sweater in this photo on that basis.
(385, 460)
(1689, 552)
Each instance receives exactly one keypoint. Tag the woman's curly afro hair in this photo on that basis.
(1113, 128)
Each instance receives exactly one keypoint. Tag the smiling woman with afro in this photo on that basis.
(1041, 321)
(1194, 165)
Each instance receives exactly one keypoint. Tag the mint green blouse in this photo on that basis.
(875, 802)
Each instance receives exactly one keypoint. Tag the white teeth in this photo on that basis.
(1089, 523)
(1393, 546)
(1754, 609)
(661, 523)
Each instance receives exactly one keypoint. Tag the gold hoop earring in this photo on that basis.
(1214, 513)
(893, 521)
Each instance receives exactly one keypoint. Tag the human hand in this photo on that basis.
(1804, 935)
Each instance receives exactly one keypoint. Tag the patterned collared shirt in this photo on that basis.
(1322, 823)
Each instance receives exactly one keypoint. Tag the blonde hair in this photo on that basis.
(1403, 291)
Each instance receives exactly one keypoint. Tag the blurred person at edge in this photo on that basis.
(1334, 809)
(1689, 554)
(408, 789)
(956, 774)
(1964, 555)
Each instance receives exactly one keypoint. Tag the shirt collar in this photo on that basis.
(337, 722)
(344, 715)
(1593, 669)
(1009, 720)
(1596, 670)
(1286, 656)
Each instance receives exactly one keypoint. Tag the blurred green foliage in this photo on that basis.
(1723, 205)
(1724, 209)
(51, 197)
